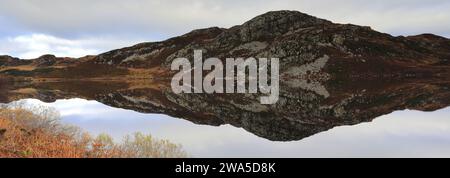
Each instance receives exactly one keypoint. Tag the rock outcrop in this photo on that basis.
(331, 75)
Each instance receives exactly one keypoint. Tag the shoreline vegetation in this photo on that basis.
(37, 132)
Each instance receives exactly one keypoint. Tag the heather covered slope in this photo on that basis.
(331, 75)
(292, 36)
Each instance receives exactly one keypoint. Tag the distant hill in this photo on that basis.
(294, 37)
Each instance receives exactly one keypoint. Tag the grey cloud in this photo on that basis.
(165, 18)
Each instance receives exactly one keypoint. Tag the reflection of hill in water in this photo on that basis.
(299, 113)
(331, 74)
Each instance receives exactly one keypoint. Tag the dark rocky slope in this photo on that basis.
(292, 36)
(332, 75)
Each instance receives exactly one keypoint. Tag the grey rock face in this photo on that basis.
(331, 75)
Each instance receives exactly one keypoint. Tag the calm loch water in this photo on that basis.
(346, 117)
(405, 133)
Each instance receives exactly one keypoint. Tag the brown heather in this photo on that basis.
(36, 132)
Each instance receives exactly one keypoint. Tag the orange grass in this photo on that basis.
(24, 134)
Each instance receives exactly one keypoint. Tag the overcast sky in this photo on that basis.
(30, 28)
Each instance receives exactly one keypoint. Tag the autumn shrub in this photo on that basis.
(37, 132)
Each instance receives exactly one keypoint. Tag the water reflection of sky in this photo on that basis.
(400, 134)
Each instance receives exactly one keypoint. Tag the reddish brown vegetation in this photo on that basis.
(38, 134)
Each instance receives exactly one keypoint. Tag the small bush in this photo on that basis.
(37, 132)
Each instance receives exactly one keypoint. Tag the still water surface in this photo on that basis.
(405, 133)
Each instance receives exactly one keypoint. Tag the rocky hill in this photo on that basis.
(331, 75)
(294, 37)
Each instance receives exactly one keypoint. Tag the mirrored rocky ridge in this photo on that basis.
(304, 108)
(330, 75)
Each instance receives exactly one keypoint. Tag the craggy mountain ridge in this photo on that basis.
(331, 75)
(294, 37)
